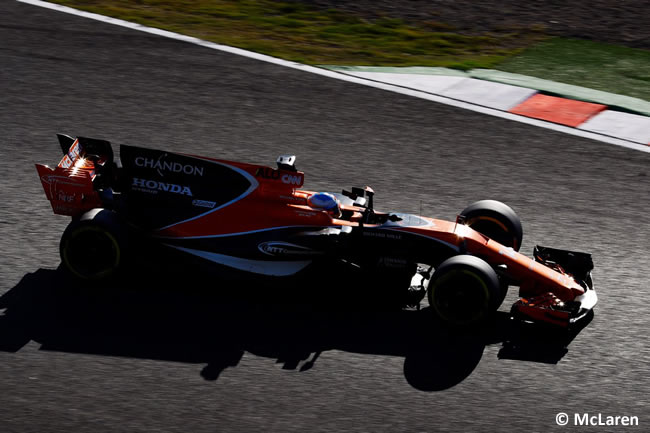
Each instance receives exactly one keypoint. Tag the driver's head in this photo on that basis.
(327, 202)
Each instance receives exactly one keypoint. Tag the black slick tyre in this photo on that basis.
(495, 220)
(93, 246)
(464, 291)
(499, 222)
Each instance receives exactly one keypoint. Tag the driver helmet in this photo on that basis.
(326, 202)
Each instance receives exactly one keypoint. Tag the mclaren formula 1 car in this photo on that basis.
(258, 219)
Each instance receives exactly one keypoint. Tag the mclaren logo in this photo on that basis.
(278, 248)
(162, 165)
(152, 186)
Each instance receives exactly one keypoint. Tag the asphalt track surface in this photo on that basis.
(184, 352)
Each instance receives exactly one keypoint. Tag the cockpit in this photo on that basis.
(354, 206)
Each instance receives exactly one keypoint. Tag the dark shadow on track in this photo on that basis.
(212, 322)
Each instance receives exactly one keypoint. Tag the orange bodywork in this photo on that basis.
(278, 204)
(69, 186)
(534, 277)
(275, 201)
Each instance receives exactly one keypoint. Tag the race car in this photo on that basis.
(259, 220)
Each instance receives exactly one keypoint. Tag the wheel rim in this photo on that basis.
(91, 252)
(460, 297)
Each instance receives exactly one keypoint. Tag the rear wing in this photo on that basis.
(92, 148)
(73, 186)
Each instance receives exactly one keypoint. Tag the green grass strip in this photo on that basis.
(297, 32)
(610, 68)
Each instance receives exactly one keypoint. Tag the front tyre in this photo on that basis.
(464, 291)
(93, 247)
(495, 220)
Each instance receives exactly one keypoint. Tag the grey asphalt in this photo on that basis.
(176, 359)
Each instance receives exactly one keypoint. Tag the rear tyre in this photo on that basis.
(93, 247)
(464, 291)
(495, 220)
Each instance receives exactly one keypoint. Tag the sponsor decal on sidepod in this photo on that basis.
(152, 186)
(269, 173)
(204, 203)
(278, 248)
(162, 165)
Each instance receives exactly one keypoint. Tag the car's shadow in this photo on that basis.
(212, 323)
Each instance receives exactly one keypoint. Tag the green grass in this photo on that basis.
(611, 68)
(297, 32)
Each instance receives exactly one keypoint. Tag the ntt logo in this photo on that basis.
(279, 248)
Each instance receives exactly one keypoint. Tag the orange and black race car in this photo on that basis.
(257, 219)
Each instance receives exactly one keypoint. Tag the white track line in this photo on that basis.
(341, 76)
